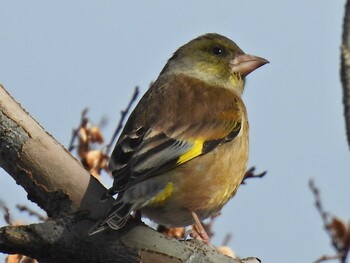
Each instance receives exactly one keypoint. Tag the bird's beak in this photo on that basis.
(245, 63)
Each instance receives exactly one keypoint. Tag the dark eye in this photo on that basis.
(218, 50)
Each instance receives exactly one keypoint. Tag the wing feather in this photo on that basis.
(163, 136)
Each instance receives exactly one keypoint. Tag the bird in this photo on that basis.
(183, 151)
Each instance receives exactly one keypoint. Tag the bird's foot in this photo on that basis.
(198, 232)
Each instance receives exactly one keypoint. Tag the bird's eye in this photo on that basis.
(218, 50)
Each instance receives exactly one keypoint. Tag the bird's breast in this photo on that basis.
(209, 181)
(203, 185)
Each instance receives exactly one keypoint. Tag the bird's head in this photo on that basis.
(214, 59)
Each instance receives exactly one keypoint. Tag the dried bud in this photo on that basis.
(227, 251)
(95, 135)
(340, 232)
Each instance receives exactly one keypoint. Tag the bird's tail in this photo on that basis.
(115, 218)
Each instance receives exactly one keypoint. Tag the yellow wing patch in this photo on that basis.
(195, 150)
(163, 195)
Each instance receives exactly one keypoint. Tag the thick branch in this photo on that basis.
(63, 188)
(53, 179)
(132, 244)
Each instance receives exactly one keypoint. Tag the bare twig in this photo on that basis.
(250, 174)
(227, 239)
(23, 208)
(327, 257)
(340, 239)
(95, 160)
(83, 121)
(7, 215)
(319, 206)
(121, 121)
(345, 67)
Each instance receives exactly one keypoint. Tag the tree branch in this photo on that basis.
(345, 68)
(53, 178)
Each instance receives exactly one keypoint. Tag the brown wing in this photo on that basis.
(178, 119)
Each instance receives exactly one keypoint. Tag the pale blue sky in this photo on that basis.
(57, 57)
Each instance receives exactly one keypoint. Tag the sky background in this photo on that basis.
(58, 57)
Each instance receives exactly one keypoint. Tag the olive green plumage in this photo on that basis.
(184, 148)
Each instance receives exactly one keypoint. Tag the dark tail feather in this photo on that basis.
(115, 218)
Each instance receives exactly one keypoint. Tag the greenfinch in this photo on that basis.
(184, 149)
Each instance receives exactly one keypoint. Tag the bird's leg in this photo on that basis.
(200, 232)
(138, 215)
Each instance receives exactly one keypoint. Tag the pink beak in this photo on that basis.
(245, 63)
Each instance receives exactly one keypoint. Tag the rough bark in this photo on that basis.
(60, 185)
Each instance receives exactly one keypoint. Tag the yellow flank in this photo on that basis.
(193, 152)
(163, 195)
